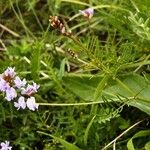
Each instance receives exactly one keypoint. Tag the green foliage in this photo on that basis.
(66, 144)
(130, 145)
(94, 83)
(35, 61)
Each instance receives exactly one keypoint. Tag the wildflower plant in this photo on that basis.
(17, 90)
(91, 74)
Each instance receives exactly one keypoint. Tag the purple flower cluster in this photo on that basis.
(16, 89)
(5, 146)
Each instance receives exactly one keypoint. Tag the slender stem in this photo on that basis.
(36, 17)
(110, 6)
(20, 19)
(71, 104)
(122, 134)
(146, 59)
(135, 64)
(3, 45)
(9, 30)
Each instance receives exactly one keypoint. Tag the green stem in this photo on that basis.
(126, 66)
(70, 104)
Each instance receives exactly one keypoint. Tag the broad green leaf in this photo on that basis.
(82, 85)
(133, 89)
(143, 133)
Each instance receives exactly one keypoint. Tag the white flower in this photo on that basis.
(5, 146)
(21, 103)
(11, 94)
(3, 85)
(31, 104)
(31, 89)
(19, 83)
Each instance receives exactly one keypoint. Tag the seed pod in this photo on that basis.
(72, 53)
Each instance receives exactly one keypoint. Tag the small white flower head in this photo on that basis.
(47, 45)
(31, 104)
(20, 104)
(30, 90)
(3, 85)
(19, 83)
(89, 12)
(11, 94)
(10, 72)
(5, 146)
(63, 30)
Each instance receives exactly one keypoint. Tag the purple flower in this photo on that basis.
(19, 83)
(11, 94)
(89, 12)
(10, 72)
(21, 103)
(35, 87)
(3, 85)
(31, 104)
(5, 146)
(30, 90)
